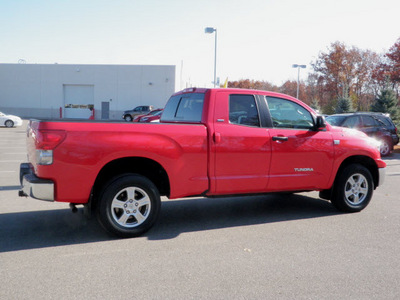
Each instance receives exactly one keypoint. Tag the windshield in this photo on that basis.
(335, 120)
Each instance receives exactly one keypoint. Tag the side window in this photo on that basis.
(352, 122)
(383, 121)
(288, 114)
(243, 110)
(368, 121)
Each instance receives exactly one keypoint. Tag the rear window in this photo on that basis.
(184, 108)
(386, 121)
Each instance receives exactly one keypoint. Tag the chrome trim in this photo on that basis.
(382, 175)
(37, 188)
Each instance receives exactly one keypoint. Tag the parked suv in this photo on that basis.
(377, 125)
(139, 110)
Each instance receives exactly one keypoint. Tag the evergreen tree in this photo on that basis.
(344, 103)
(387, 102)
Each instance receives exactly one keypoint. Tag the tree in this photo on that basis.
(289, 88)
(389, 68)
(315, 105)
(386, 102)
(344, 103)
(252, 84)
(345, 66)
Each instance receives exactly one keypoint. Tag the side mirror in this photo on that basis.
(320, 123)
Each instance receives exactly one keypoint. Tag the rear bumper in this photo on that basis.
(33, 186)
(395, 138)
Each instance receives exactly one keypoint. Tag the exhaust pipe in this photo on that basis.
(73, 208)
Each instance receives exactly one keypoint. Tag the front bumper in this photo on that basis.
(382, 175)
(33, 186)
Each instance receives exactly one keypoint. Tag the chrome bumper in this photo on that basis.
(382, 175)
(33, 186)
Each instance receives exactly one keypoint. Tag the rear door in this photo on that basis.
(240, 145)
(370, 126)
(302, 158)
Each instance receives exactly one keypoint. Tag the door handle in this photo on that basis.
(280, 138)
(217, 137)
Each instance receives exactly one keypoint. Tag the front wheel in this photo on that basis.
(128, 118)
(9, 124)
(353, 189)
(129, 205)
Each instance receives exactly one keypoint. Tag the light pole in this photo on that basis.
(212, 30)
(298, 76)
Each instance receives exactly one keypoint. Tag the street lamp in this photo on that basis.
(298, 76)
(212, 30)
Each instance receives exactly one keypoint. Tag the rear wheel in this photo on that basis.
(129, 205)
(385, 147)
(9, 123)
(353, 189)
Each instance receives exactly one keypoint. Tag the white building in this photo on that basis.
(69, 91)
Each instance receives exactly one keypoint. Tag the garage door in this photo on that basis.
(78, 101)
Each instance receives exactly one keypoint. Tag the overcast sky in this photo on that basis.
(257, 39)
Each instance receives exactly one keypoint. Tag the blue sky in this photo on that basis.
(257, 39)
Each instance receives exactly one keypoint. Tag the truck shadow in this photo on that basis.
(41, 229)
(49, 228)
(207, 214)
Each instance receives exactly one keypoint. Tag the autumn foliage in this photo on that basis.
(341, 72)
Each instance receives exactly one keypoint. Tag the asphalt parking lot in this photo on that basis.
(264, 247)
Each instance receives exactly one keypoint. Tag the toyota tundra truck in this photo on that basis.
(209, 143)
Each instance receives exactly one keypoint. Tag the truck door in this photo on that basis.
(302, 158)
(241, 148)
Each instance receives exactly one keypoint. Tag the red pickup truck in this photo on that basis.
(210, 142)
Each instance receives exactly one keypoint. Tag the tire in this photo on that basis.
(353, 189)
(128, 118)
(385, 147)
(128, 206)
(9, 124)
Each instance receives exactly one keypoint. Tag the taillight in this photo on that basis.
(48, 139)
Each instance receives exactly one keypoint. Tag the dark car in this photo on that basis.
(151, 116)
(377, 125)
(139, 110)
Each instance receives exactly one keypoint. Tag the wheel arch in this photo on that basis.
(132, 165)
(365, 161)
